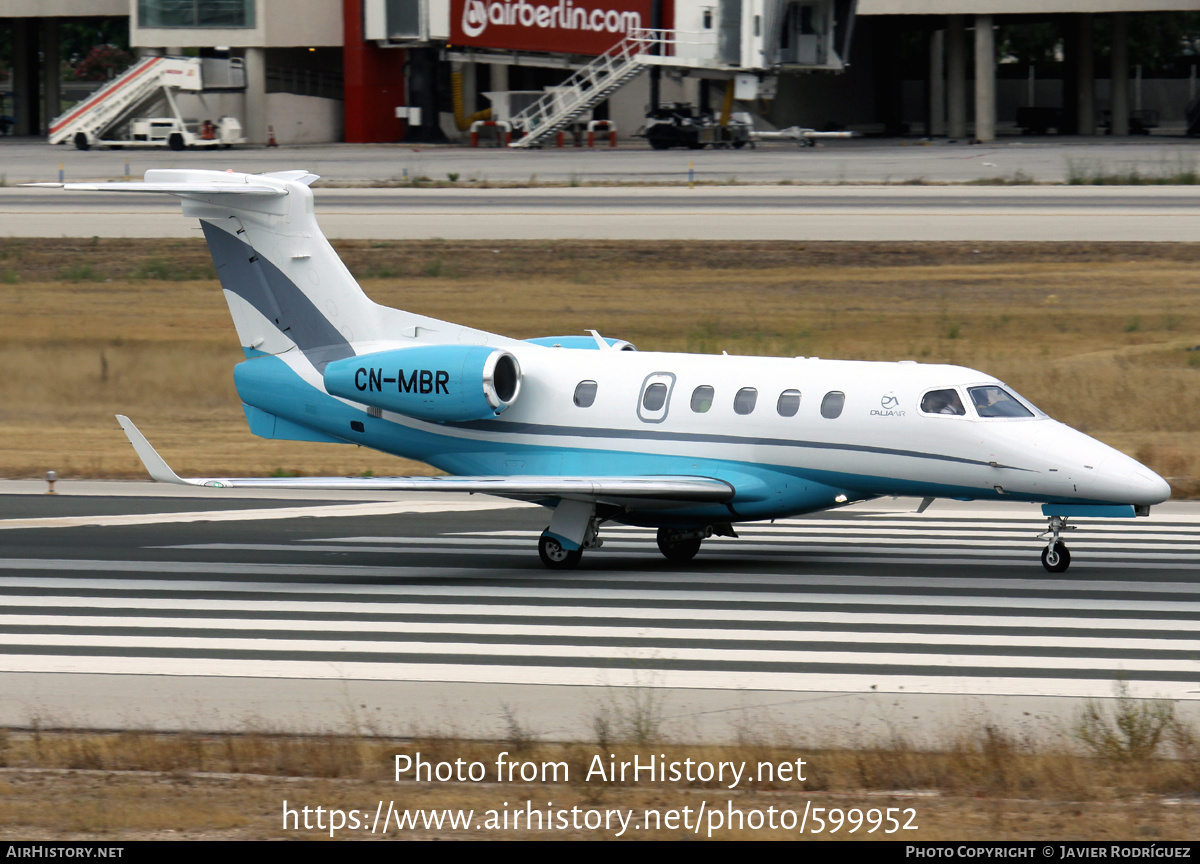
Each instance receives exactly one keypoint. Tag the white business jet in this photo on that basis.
(594, 430)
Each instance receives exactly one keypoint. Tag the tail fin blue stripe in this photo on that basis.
(264, 286)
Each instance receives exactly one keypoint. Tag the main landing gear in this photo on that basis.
(555, 556)
(1056, 557)
(678, 545)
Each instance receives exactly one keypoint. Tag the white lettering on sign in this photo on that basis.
(478, 14)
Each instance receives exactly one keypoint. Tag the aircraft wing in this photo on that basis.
(681, 490)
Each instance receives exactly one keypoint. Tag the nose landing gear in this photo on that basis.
(1056, 557)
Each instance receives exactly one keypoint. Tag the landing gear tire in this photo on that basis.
(81, 141)
(555, 557)
(677, 551)
(1056, 559)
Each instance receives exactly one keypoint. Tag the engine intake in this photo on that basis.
(430, 382)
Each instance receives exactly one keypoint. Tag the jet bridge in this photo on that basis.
(608, 42)
(115, 115)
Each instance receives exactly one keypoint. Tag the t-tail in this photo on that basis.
(298, 311)
(286, 287)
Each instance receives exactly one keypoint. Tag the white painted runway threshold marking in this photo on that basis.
(425, 627)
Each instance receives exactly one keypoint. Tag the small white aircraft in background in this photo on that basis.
(690, 444)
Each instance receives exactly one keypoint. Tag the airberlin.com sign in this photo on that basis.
(568, 26)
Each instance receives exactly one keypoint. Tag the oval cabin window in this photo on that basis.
(585, 394)
(789, 403)
(832, 404)
(743, 402)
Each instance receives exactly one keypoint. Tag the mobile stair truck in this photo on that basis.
(116, 114)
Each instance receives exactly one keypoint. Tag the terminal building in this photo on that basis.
(428, 70)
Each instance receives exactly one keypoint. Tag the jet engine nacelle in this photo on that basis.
(430, 382)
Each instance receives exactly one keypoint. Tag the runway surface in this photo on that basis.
(1051, 159)
(871, 598)
(1065, 213)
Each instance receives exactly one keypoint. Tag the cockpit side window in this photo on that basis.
(943, 402)
(993, 401)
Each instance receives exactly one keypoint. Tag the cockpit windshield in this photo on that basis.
(993, 401)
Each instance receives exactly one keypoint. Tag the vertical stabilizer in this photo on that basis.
(286, 286)
(284, 283)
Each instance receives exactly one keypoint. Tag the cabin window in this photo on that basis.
(789, 403)
(832, 404)
(992, 401)
(702, 399)
(743, 402)
(708, 18)
(585, 394)
(655, 397)
(942, 402)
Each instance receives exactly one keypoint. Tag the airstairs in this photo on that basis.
(151, 80)
(588, 86)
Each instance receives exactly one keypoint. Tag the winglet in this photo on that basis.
(155, 464)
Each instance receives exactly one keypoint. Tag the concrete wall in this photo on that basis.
(816, 100)
(296, 119)
(1167, 96)
(304, 119)
(277, 24)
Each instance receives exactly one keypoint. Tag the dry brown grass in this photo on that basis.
(1097, 336)
(983, 784)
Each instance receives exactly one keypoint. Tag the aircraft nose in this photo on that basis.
(1149, 488)
(1131, 482)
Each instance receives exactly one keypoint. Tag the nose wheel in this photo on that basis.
(1056, 558)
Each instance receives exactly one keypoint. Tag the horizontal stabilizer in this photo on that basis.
(662, 488)
(168, 188)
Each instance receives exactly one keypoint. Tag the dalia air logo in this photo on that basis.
(888, 405)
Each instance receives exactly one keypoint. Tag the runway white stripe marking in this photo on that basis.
(397, 592)
(717, 582)
(412, 628)
(745, 680)
(721, 551)
(464, 610)
(627, 653)
(639, 598)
